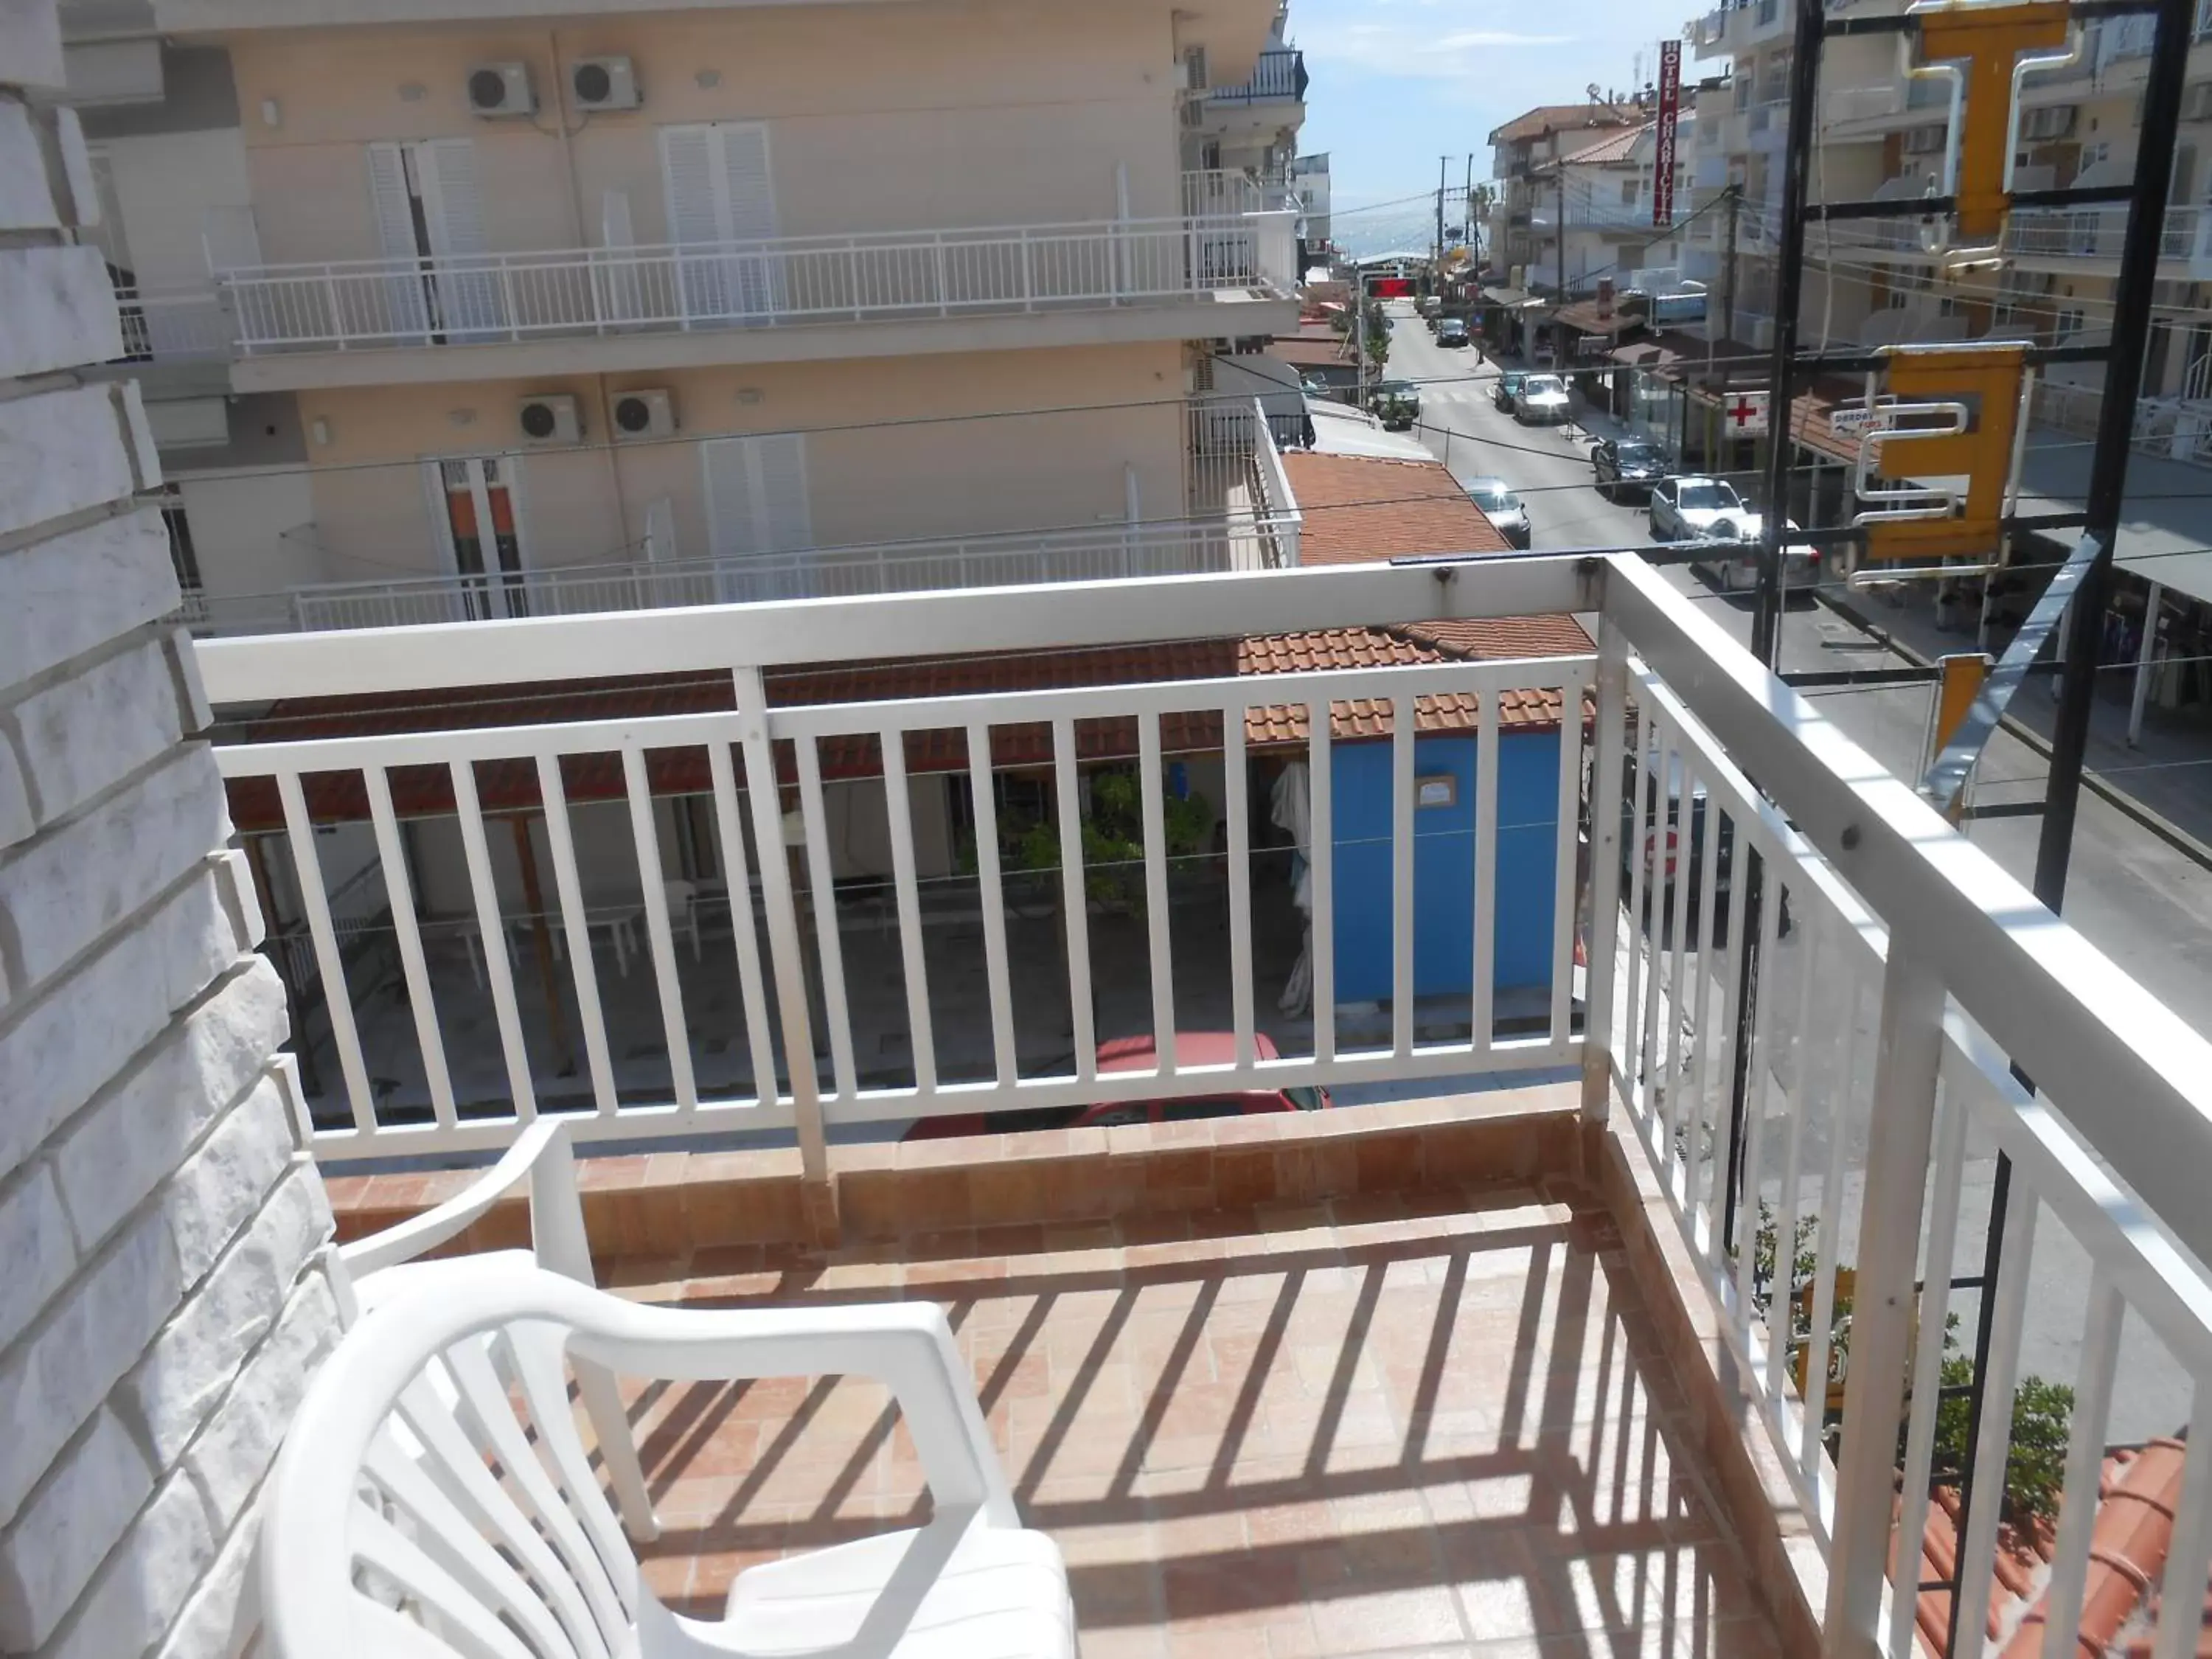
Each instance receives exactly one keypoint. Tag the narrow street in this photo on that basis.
(2138, 899)
(2141, 900)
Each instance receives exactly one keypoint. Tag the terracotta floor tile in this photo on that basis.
(1382, 1427)
(1372, 1622)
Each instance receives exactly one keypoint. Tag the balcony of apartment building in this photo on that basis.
(1272, 96)
(1497, 1338)
(1226, 266)
(1238, 512)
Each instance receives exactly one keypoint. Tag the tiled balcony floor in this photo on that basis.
(1377, 1427)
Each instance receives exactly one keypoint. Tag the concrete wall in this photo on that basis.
(934, 114)
(883, 464)
(253, 532)
(166, 188)
(162, 1306)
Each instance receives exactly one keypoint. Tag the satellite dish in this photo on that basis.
(1595, 91)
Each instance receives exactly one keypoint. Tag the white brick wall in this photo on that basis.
(162, 1299)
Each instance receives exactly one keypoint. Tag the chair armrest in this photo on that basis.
(433, 1227)
(907, 1346)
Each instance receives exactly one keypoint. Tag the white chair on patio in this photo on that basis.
(495, 1540)
(381, 1266)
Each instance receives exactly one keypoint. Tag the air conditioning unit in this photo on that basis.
(2054, 121)
(2197, 102)
(501, 89)
(1923, 141)
(604, 83)
(549, 419)
(1194, 70)
(647, 414)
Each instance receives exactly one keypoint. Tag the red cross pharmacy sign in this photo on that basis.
(1745, 413)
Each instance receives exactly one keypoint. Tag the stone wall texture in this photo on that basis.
(165, 1288)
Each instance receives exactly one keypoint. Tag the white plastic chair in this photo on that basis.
(381, 1265)
(495, 1540)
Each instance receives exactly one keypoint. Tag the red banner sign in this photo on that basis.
(1670, 105)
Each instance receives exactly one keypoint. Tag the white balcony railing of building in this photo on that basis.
(1245, 516)
(1898, 978)
(174, 325)
(2100, 233)
(1280, 75)
(474, 299)
(1155, 548)
(2178, 429)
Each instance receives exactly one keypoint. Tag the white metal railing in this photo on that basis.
(1280, 74)
(1153, 547)
(476, 298)
(1243, 515)
(1807, 998)
(174, 326)
(2175, 428)
(2101, 232)
(1220, 192)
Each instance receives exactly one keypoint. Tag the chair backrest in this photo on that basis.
(433, 1499)
(542, 1160)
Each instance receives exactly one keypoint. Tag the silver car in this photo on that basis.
(1541, 401)
(1699, 509)
(1501, 506)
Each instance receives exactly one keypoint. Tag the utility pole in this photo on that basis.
(1437, 259)
(1559, 199)
(1732, 196)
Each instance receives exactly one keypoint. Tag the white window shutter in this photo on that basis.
(748, 188)
(687, 171)
(756, 496)
(390, 199)
(468, 293)
(453, 206)
(731, 510)
(406, 311)
(786, 516)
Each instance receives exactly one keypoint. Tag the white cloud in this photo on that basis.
(1414, 48)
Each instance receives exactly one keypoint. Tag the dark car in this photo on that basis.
(1137, 1054)
(1671, 846)
(1405, 391)
(1626, 465)
(1508, 389)
(1451, 331)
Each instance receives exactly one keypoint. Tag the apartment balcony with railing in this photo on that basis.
(982, 950)
(1226, 267)
(1279, 77)
(1240, 513)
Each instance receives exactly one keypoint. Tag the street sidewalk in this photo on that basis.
(2166, 785)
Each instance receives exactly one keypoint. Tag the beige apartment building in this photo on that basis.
(1882, 132)
(494, 314)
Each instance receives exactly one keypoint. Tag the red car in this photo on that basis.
(1137, 1054)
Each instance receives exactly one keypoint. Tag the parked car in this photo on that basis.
(1540, 401)
(1672, 843)
(1739, 573)
(1391, 391)
(1508, 388)
(1137, 1054)
(1501, 506)
(1697, 508)
(1626, 463)
(1451, 331)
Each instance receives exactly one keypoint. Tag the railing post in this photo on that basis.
(787, 952)
(1909, 1050)
(1603, 939)
(1029, 301)
(562, 1245)
(330, 294)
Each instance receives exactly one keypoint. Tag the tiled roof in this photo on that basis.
(1614, 148)
(1364, 509)
(2138, 1494)
(1310, 354)
(1559, 118)
(1592, 317)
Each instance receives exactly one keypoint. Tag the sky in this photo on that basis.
(1396, 83)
